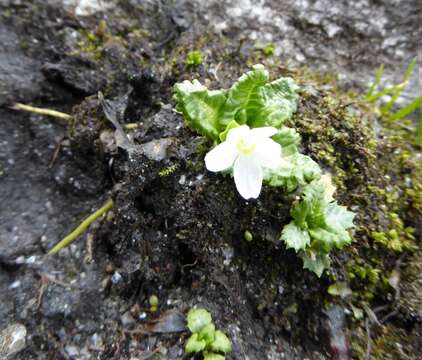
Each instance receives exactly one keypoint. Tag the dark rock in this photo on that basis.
(19, 74)
(79, 75)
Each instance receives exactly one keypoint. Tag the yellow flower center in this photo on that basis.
(245, 148)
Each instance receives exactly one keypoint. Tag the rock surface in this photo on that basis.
(167, 234)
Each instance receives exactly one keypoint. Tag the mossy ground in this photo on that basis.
(178, 231)
(375, 168)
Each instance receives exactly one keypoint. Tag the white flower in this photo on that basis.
(247, 151)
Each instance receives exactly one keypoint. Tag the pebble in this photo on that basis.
(12, 341)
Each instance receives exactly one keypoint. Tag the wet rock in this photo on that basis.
(90, 7)
(156, 149)
(60, 302)
(168, 322)
(80, 75)
(338, 340)
(19, 78)
(72, 351)
(164, 123)
(83, 8)
(127, 319)
(12, 341)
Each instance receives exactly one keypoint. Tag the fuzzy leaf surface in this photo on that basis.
(201, 108)
(295, 237)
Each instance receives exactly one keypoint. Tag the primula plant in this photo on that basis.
(319, 225)
(214, 344)
(251, 142)
(246, 123)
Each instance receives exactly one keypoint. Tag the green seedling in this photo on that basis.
(205, 339)
(153, 303)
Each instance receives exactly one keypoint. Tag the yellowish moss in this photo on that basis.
(168, 170)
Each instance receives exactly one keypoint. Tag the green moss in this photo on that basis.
(194, 58)
(268, 50)
(7, 13)
(91, 43)
(380, 176)
(168, 170)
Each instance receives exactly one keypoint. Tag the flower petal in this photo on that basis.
(268, 153)
(235, 134)
(266, 131)
(247, 177)
(221, 157)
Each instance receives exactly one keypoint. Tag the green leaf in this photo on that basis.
(305, 169)
(197, 319)
(405, 81)
(212, 356)
(319, 225)
(252, 100)
(289, 140)
(340, 288)
(300, 212)
(231, 125)
(326, 240)
(408, 109)
(221, 343)
(242, 94)
(202, 108)
(274, 104)
(320, 191)
(293, 171)
(194, 344)
(374, 85)
(384, 92)
(338, 217)
(207, 333)
(295, 237)
(316, 263)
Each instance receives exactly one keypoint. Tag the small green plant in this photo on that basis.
(253, 112)
(268, 50)
(214, 344)
(247, 125)
(194, 58)
(395, 91)
(168, 170)
(319, 225)
(153, 303)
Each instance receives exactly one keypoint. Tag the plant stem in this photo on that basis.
(41, 111)
(132, 126)
(58, 114)
(82, 227)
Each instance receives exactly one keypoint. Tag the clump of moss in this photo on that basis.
(92, 43)
(268, 50)
(168, 170)
(194, 58)
(379, 177)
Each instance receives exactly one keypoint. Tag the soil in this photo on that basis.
(177, 231)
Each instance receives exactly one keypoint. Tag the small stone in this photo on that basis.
(116, 278)
(142, 315)
(156, 149)
(127, 319)
(72, 351)
(12, 340)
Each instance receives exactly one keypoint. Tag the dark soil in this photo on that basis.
(176, 230)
